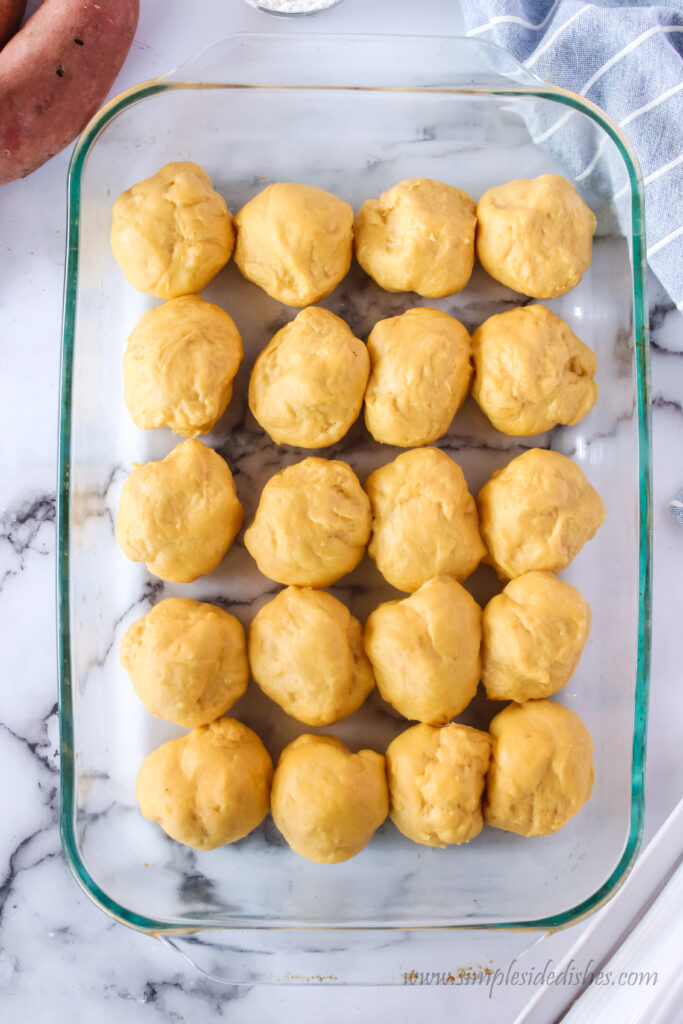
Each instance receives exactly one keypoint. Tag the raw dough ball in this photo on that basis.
(179, 366)
(436, 780)
(532, 372)
(295, 242)
(311, 525)
(537, 513)
(179, 516)
(535, 235)
(425, 520)
(172, 233)
(326, 801)
(208, 788)
(425, 651)
(307, 385)
(417, 237)
(306, 653)
(187, 661)
(541, 770)
(534, 633)
(421, 372)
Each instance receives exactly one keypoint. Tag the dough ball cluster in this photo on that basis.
(533, 636)
(311, 525)
(535, 235)
(308, 383)
(180, 515)
(306, 653)
(541, 770)
(420, 376)
(326, 801)
(209, 787)
(425, 651)
(295, 242)
(537, 513)
(179, 366)
(418, 236)
(436, 780)
(172, 233)
(532, 372)
(187, 661)
(425, 521)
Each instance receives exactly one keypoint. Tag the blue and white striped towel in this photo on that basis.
(628, 58)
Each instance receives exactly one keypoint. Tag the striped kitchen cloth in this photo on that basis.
(628, 58)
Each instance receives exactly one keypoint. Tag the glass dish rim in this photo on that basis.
(89, 136)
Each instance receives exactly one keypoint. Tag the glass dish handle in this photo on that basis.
(351, 956)
(366, 61)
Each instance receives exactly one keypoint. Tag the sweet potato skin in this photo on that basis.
(54, 75)
(11, 13)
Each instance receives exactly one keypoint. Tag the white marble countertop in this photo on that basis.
(60, 957)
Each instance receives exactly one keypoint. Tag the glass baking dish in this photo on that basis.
(353, 115)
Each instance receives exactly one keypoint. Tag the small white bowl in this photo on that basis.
(295, 7)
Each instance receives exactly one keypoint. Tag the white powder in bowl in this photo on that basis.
(293, 6)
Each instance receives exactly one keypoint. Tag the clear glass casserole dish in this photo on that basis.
(353, 115)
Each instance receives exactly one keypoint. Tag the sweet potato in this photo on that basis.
(55, 73)
(11, 13)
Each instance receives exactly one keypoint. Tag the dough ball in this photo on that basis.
(306, 653)
(172, 233)
(535, 235)
(208, 788)
(421, 372)
(187, 661)
(534, 633)
(532, 372)
(425, 651)
(436, 780)
(537, 513)
(311, 525)
(179, 516)
(326, 801)
(417, 237)
(295, 242)
(179, 366)
(307, 385)
(541, 770)
(425, 520)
